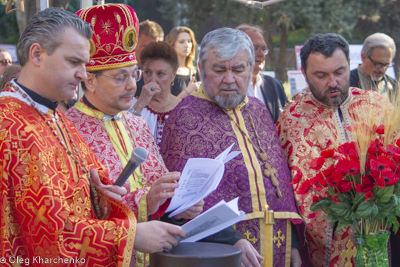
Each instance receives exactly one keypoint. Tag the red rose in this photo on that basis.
(368, 195)
(398, 142)
(315, 198)
(348, 149)
(382, 163)
(373, 147)
(379, 182)
(317, 163)
(389, 177)
(380, 129)
(304, 187)
(348, 166)
(367, 184)
(344, 186)
(334, 178)
(391, 150)
(297, 178)
(327, 153)
(319, 180)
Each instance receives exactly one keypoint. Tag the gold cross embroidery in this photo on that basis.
(349, 253)
(278, 238)
(252, 240)
(85, 246)
(39, 215)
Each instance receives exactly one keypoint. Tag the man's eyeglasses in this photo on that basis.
(5, 62)
(379, 65)
(123, 78)
(263, 49)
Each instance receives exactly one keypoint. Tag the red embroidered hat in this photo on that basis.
(115, 30)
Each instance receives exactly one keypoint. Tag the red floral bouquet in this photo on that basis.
(361, 187)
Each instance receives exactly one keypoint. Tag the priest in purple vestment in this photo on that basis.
(219, 114)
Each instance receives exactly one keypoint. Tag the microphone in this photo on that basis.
(139, 155)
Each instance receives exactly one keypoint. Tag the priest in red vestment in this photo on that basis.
(203, 125)
(58, 207)
(110, 131)
(318, 122)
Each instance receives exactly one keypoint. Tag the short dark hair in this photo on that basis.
(325, 44)
(160, 50)
(45, 27)
(96, 73)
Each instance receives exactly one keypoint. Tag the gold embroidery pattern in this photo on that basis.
(252, 240)
(36, 196)
(278, 238)
(349, 253)
(303, 135)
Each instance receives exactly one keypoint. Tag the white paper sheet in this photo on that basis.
(199, 178)
(217, 218)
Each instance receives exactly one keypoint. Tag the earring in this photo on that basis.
(173, 82)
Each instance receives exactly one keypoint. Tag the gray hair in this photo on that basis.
(45, 28)
(378, 40)
(227, 42)
(250, 28)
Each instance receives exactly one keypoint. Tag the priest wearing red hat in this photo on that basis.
(58, 207)
(110, 131)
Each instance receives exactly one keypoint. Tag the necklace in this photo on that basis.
(118, 144)
(163, 110)
(80, 163)
(269, 171)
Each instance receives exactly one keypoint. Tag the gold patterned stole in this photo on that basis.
(119, 138)
(123, 146)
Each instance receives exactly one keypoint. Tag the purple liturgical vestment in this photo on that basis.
(198, 128)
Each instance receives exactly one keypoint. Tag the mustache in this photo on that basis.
(229, 87)
(127, 94)
(332, 89)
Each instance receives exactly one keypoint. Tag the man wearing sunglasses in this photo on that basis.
(5, 60)
(267, 89)
(377, 54)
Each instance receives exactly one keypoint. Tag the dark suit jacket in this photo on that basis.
(274, 96)
(355, 80)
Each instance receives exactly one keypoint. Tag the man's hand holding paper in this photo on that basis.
(192, 212)
(162, 189)
(200, 177)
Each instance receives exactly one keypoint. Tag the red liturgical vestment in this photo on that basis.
(46, 212)
(307, 128)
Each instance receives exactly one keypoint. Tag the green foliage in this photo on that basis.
(352, 207)
(8, 27)
(383, 195)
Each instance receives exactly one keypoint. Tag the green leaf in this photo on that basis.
(342, 209)
(359, 198)
(364, 210)
(375, 210)
(384, 211)
(331, 192)
(344, 197)
(321, 205)
(383, 195)
(397, 186)
(394, 224)
(343, 223)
